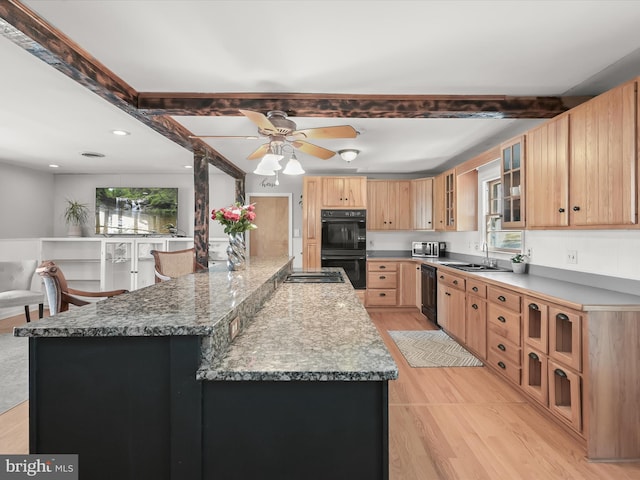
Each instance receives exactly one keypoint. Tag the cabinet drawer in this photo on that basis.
(504, 323)
(454, 281)
(375, 266)
(381, 297)
(475, 287)
(505, 298)
(503, 347)
(504, 366)
(382, 279)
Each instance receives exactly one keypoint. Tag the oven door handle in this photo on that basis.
(343, 220)
(341, 257)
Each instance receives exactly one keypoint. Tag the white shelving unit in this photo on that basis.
(95, 263)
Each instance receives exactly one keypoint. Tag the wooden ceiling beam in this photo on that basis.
(357, 105)
(26, 29)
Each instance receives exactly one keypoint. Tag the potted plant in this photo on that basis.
(518, 263)
(76, 215)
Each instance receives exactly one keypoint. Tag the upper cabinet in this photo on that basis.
(445, 200)
(603, 159)
(548, 174)
(389, 205)
(512, 173)
(347, 192)
(422, 203)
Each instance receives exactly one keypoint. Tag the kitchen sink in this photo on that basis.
(475, 267)
(315, 277)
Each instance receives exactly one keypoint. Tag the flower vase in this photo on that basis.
(236, 252)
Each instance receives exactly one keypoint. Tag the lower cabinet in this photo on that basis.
(451, 304)
(391, 284)
(476, 318)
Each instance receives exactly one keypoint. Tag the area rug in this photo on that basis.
(14, 374)
(432, 348)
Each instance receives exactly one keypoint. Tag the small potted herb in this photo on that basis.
(76, 215)
(518, 263)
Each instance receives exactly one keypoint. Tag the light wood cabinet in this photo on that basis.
(512, 168)
(536, 324)
(407, 291)
(547, 182)
(476, 325)
(534, 374)
(391, 284)
(350, 192)
(504, 332)
(450, 200)
(422, 203)
(565, 336)
(564, 394)
(451, 304)
(603, 159)
(311, 222)
(389, 205)
(438, 203)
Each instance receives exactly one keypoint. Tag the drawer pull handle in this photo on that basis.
(383, 294)
(382, 267)
(576, 208)
(561, 210)
(533, 306)
(502, 347)
(502, 365)
(560, 373)
(533, 356)
(474, 306)
(502, 319)
(475, 289)
(563, 317)
(455, 282)
(502, 299)
(441, 277)
(382, 277)
(447, 293)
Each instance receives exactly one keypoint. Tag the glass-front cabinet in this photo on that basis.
(512, 175)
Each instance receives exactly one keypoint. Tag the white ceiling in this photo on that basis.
(532, 48)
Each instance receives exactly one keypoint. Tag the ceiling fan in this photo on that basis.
(280, 130)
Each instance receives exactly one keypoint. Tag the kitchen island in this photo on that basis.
(152, 384)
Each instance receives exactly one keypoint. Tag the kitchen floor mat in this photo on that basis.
(432, 348)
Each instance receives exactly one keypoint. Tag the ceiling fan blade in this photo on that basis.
(261, 120)
(260, 152)
(340, 131)
(314, 150)
(244, 137)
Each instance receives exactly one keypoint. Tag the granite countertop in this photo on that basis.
(189, 305)
(318, 332)
(581, 297)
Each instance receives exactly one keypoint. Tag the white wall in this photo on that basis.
(25, 202)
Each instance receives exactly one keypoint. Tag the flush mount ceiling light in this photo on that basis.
(121, 133)
(349, 154)
(92, 154)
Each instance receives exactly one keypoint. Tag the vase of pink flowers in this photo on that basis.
(236, 219)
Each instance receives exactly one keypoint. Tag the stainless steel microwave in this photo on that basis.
(425, 249)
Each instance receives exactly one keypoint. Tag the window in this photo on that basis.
(497, 239)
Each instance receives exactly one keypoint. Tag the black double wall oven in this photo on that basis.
(344, 243)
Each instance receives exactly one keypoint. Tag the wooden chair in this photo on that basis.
(174, 264)
(60, 295)
(15, 286)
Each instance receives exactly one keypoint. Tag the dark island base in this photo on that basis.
(130, 407)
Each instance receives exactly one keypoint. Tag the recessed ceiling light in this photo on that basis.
(92, 154)
(122, 133)
(188, 166)
(54, 166)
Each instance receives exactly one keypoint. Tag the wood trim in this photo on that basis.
(479, 160)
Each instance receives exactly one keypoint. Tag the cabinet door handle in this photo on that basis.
(502, 365)
(576, 208)
(474, 306)
(441, 277)
(455, 282)
(562, 317)
(502, 319)
(447, 294)
(346, 199)
(502, 347)
(502, 299)
(533, 306)
(475, 289)
(533, 356)
(560, 373)
(561, 210)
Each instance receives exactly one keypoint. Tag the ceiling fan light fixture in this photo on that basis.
(293, 166)
(349, 154)
(262, 169)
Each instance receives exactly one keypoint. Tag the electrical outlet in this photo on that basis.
(234, 326)
(529, 253)
(572, 256)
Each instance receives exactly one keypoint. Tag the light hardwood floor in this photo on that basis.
(447, 424)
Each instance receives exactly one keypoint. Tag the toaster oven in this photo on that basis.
(425, 249)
